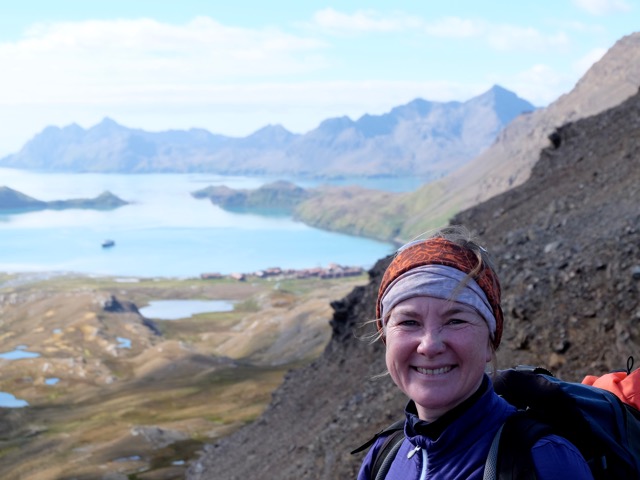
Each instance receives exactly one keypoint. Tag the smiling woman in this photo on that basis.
(436, 352)
(440, 318)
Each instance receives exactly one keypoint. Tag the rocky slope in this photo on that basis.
(567, 245)
(508, 162)
(416, 136)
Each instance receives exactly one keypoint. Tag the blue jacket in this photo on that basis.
(456, 445)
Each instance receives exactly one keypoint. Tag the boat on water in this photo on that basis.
(108, 243)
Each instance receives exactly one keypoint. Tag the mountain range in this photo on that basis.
(421, 138)
(505, 164)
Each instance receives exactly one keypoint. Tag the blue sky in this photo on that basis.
(234, 67)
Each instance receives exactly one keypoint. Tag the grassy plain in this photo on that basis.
(144, 411)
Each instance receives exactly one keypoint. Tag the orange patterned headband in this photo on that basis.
(439, 251)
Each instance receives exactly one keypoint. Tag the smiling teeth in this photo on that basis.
(436, 371)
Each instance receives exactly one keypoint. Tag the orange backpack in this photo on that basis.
(625, 384)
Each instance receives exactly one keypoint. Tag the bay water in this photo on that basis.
(164, 231)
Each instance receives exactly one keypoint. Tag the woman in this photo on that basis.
(440, 318)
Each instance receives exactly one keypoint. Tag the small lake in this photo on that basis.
(177, 309)
(18, 353)
(8, 400)
(164, 231)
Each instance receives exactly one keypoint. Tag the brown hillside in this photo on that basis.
(508, 162)
(567, 245)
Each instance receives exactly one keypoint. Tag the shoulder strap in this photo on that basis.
(491, 464)
(510, 454)
(381, 463)
(394, 427)
(386, 455)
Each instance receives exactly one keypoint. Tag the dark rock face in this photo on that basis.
(567, 248)
(113, 305)
(567, 244)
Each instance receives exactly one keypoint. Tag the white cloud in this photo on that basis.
(456, 27)
(362, 21)
(99, 60)
(539, 84)
(577, 26)
(502, 37)
(513, 38)
(603, 7)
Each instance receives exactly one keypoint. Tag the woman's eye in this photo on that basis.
(456, 321)
(407, 323)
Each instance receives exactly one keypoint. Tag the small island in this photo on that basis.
(16, 202)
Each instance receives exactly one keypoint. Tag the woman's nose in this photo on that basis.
(431, 343)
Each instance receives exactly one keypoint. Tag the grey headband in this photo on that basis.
(438, 281)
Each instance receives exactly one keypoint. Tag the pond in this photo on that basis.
(8, 400)
(177, 309)
(19, 353)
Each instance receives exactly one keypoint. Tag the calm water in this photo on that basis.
(165, 231)
(18, 353)
(7, 400)
(177, 309)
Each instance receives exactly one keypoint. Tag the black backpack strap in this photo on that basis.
(515, 440)
(381, 463)
(386, 455)
(394, 427)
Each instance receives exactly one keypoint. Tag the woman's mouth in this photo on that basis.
(434, 371)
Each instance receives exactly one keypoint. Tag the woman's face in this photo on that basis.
(437, 351)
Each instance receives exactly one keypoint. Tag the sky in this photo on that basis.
(233, 67)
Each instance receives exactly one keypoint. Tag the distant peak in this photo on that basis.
(73, 127)
(272, 128)
(108, 121)
(271, 134)
(418, 102)
(498, 91)
(335, 125)
(107, 125)
(498, 88)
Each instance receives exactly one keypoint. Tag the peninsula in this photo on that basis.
(14, 201)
